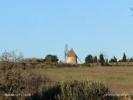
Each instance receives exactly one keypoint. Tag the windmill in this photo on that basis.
(70, 56)
(79, 59)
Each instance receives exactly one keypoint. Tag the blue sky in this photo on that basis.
(40, 27)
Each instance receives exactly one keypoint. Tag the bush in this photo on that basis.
(75, 90)
(19, 83)
(51, 59)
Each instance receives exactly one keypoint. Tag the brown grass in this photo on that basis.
(119, 79)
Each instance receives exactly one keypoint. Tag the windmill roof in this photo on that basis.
(71, 53)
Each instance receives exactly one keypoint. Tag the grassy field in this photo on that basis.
(118, 79)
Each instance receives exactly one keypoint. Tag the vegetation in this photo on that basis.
(20, 82)
(42, 78)
(102, 59)
(19, 78)
(95, 59)
(17, 84)
(51, 59)
(131, 59)
(11, 56)
(89, 59)
(73, 90)
(119, 79)
(124, 59)
(113, 60)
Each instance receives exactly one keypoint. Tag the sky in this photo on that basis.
(41, 27)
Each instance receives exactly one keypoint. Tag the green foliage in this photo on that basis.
(89, 59)
(74, 90)
(131, 59)
(102, 59)
(113, 60)
(51, 59)
(124, 59)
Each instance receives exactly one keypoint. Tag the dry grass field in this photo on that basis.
(118, 79)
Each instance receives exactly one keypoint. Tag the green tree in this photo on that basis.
(89, 59)
(51, 59)
(102, 59)
(124, 58)
(113, 60)
(131, 59)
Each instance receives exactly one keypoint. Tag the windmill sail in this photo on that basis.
(65, 52)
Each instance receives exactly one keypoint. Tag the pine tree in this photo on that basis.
(124, 59)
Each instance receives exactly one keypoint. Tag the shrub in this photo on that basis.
(51, 59)
(74, 90)
(5, 65)
(21, 84)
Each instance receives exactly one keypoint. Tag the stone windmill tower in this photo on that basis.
(70, 56)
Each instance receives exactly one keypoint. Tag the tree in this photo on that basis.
(113, 60)
(5, 56)
(131, 59)
(101, 59)
(95, 59)
(89, 59)
(124, 58)
(51, 59)
(11, 56)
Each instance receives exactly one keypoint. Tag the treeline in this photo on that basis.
(89, 59)
(12, 56)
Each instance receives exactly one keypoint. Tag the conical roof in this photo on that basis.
(71, 53)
